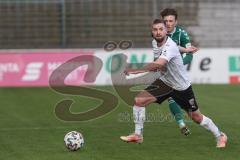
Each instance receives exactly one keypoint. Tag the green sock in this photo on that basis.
(176, 112)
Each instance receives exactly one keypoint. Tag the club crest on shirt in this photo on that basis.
(164, 52)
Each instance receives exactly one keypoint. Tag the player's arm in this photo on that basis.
(128, 71)
(191, 49)
(159, 64)
(185, 43)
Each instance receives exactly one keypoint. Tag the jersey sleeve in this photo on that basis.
(185, 39)
(187, 58)
(185, 42)
(169, 52)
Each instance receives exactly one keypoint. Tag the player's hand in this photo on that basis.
(192, 49)
(126, 71)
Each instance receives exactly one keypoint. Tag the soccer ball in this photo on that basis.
(73, 140)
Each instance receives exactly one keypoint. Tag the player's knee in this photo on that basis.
(141, 101)
(196, 117)
(138, 101)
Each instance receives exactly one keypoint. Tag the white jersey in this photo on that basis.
(176, 75)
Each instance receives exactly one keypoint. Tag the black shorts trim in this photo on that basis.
(159, 90)
(185, 99)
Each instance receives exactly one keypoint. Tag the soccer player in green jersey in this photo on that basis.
(181, 38)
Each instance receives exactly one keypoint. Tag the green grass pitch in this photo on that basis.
(29, 129)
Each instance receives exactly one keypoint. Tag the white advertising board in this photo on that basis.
(209, 66)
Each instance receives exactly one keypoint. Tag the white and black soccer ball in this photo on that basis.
(73, 140)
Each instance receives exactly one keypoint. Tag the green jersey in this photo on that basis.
(181, 38)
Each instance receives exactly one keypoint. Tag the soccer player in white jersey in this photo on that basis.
(172, 82)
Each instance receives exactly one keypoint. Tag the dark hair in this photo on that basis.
(156, 21)
(169, 12)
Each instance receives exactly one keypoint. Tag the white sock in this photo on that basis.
(139, 118)
(209, 125)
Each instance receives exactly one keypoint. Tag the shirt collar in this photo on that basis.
(171, 33)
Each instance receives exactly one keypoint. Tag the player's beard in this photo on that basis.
(159, 40)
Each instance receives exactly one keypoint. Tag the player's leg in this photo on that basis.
(208, 124)
(187, 101)
(157, 92)
(141, 100)
(178, 115)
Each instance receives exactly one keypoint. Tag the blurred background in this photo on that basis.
(77, 27)
(90, 23)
